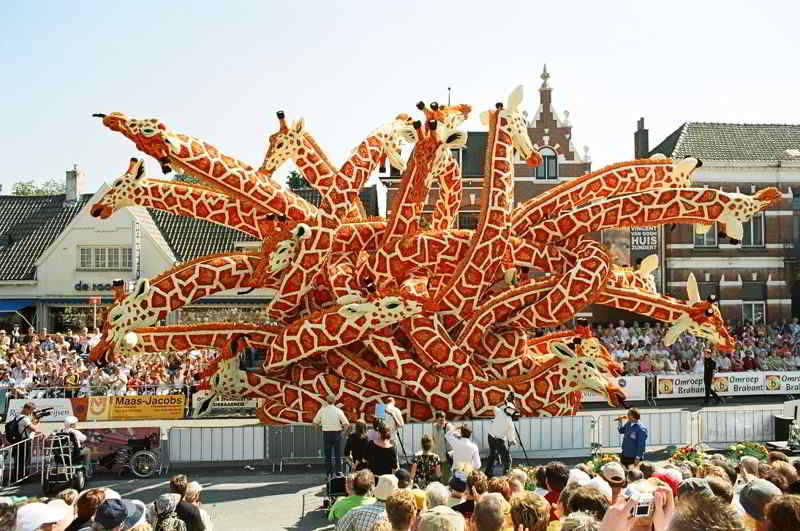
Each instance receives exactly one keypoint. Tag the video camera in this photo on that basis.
(509, 408)
(42, 412)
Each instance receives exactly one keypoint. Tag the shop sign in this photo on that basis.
(136, 407)
(95, 286)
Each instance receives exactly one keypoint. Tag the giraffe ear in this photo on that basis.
(485, 118)
(298, 125)
(458, 139)
(302, 231)
(515, 98)
(691, 289)
(142, 287)
(649, 264)
(407, 133)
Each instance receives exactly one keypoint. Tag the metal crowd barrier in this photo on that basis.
(730, 426)
(663, 428)
(217, 444)
(71, 392)
(22, 460)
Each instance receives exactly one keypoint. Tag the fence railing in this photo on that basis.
(21, 460)
(33, 393)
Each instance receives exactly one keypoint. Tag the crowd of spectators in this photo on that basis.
(640, 348)
(103, 509)
(719, 495)
(55, 365)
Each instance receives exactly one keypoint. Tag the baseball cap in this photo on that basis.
(387, 484)
(578, 476)
(600, 484)
(457, 484)
(32, 516)
(755, 496)
(671, 480)
(614, 474)
(440, 518)
(403, 477)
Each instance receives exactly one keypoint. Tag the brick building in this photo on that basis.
(550, 132)
(755, 279)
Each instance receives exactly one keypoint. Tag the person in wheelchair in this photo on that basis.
(80, 454)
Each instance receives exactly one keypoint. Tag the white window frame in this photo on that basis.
(705, 238)
(105, 258)
(749, 225)
(749, 311)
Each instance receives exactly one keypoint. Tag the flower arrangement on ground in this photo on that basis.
(689, 453)
(599, 460)
(754, 449)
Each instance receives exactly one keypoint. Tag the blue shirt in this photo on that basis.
(634, 439)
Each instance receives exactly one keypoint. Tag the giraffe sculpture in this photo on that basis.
(441, 318)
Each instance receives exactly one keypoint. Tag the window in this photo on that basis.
(468, 220)
(85, 258)
(754, 232)
(753, 311)
(548, 169)
(709, 239)
(105, 258)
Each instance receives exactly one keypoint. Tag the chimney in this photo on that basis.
(641, 140)
(76, 180)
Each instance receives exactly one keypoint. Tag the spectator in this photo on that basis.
(783, 513)
(458, 488)
(580, 522)
(464, 450)
(426, 467)
(721, 488)
(403, 479)
(85, 506)
(489, 513)
(698, 512)
(363, 517)
(381, 454)
(401, 510)
(557, 475)
(440, 518)
(192, 499)
(589, 500)
(362, 483)
(166, 517)
(436, 494)
(501, 486)
(331, 420)
(356, 446)
(614, 475)
(755, 496)
(530, 511)
(477, 484)
(34, 516)
(440, 445)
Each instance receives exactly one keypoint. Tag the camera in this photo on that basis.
(42, 412)
(644, 503)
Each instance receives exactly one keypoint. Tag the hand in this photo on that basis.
(618, 516)
(664, 508)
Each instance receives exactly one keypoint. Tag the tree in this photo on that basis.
(51, 187)
(296, 181)
(186, 178)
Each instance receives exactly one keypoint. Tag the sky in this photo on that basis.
(220, 70)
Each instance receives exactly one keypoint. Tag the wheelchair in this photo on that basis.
(64, 467)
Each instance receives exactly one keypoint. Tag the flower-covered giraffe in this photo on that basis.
(438, 318)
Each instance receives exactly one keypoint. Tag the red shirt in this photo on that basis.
(552, 496)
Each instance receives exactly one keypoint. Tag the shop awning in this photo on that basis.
(12, 305)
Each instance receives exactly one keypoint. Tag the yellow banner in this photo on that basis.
(136, 407)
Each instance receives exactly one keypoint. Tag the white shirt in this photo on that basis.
(502, 426)
(331, 418)
(393, 418)
(81, 438)
(23, 426)
(464, 450)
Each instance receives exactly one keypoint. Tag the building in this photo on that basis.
(550, 132)
(755, 279)
(56, 259)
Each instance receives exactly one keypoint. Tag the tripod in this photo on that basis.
(520, 444)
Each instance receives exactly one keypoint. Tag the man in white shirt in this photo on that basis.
(464, 450)
(394, 417)
(501, 436)
(331, 420)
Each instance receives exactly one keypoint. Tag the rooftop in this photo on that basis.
(724, 141)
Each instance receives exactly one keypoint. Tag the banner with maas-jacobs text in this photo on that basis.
(729, 384)
(131, 407)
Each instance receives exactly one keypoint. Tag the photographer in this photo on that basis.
(22, 429)
(501, 435)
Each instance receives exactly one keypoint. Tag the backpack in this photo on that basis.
(170, 522)
(12, 430)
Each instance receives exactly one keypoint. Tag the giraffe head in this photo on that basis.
(586, 345)
(641, 279)
(280, 250)
(384, 308)
(393, 136)
(286, 143)
(740, 209)
(510, 120)
(118, 334)
(583, 374)
(121, 193)
(702, 319)
(147, 134)
(223, 375)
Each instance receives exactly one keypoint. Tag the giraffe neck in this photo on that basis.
(656, 306)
